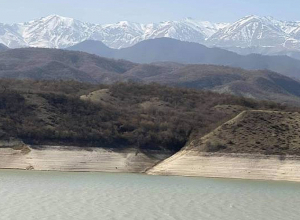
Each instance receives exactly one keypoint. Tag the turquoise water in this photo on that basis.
(28, 195)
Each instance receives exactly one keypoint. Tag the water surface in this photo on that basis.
(29, 195)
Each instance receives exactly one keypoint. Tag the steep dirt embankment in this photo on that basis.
(75, 159)
(254, 145)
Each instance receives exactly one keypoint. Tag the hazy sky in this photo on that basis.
(107, 11)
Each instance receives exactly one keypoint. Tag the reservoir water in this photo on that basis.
(30, 195)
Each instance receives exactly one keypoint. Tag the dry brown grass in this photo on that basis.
(263, 132)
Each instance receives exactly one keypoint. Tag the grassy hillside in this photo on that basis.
(115, 116)
(255, 132)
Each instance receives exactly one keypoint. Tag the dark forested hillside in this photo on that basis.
(115, 116)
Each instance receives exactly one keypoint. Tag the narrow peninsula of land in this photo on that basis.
(260, 145)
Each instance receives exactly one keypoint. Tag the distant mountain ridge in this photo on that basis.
(171, 50)
(55, 64)
(3, 47)
(255, 34)
(264, 35)
(56, 31)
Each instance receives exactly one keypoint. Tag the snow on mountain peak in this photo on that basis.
(251, 31)
(56, 31)
(55, 16)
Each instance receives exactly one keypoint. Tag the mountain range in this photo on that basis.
(56, 31)
(251, 34)
(3, 47)
(171, 50)
(57, 64)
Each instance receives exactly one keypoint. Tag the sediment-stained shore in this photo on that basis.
(59, 158)
(260, 145)
(184, 163)
(239, 166)
(223, 153)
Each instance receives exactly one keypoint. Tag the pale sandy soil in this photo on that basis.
(184, 163)
(63, 159)
(239, 166)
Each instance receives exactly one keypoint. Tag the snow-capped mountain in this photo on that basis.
(60, 32)
(185, 30)
(10, 36)
(294, 30)
(119, 35)
(258, 32)
(251, 34)
(54, 32)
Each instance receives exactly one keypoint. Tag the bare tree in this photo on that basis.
(4, 88)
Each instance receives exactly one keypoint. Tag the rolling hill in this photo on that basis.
(49, 64)
(171, 50)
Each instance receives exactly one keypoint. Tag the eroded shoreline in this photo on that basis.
(60, 158)
(185, 163)
(232, 166)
